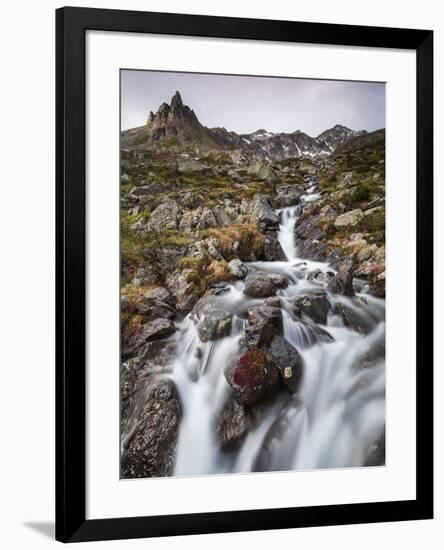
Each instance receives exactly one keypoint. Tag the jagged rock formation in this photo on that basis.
(178, 121)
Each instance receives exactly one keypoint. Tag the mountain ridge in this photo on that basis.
(177, 121)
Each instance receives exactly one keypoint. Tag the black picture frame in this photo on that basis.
(71, 27)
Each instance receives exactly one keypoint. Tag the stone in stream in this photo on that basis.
(314, 305)
(288, 361)
(151, 447)
(280, 442)
(232, 424)
(212, 320)
(253, 377)
(342, 283)
(375, 455)
(237, 268)
(265, 322)
(260, 286)
(214, 324)
(353, 318)
(273, 251)
(289, 195)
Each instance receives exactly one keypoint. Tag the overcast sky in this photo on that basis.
(245, 104)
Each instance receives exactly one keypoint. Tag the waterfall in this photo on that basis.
(338, 411)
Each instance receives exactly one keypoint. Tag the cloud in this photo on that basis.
(246, 103)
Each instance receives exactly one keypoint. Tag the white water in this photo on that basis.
(339, 409)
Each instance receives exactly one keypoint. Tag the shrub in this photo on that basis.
(250, 240)
(361, 193)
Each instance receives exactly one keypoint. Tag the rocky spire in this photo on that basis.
(176, 101)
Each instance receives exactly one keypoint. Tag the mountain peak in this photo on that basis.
(176, 100)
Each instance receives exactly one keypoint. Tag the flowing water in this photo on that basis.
(339, 409)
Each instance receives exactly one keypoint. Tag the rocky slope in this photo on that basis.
(196, 203)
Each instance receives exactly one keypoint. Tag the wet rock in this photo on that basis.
(372, 356)
(289, 195)
(237, 268)
(279, 280)
(353, 319)
(164, 217)
(182, 289)
(288, 361)
(314, 305)
(214, 324)
(265, 322)
(342, 283)
(280, 443)
(273, 251)
(349, 219)
(151, 448)
(260, 286)
(273, 301)
(308, 239)
(156, 329)
(253, 377)
(376, 453)
(232, 425)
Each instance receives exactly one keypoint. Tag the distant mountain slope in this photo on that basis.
(178, 123)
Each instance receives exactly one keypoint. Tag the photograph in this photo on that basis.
(252, 274)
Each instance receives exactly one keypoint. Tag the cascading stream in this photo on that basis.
(339, 408)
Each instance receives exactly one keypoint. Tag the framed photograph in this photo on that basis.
(244, 274)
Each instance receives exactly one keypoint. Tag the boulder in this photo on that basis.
(190, 166)
(151, 447)
(353, 319)
(288, 361)
(282, 438)
(232, 424)
(262, 172)
(147, 189)
(237, 268)
(182, 289)
(260, 286)
(260, 212)
(289, 195)
(156, 329)
(342, 283)
(375, 455)
(207, 219)
(159, 294)
(273, 251)
(281, 281)
(265, 322)
(314, 305)
(164, 217)
(253, 377)
(349, 219)
(214, 324)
